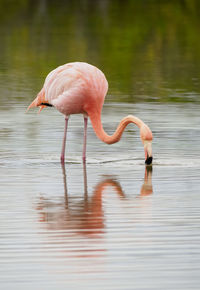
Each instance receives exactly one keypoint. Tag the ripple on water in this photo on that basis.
(116, 226)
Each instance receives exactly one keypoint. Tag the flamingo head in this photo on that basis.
(147, 137)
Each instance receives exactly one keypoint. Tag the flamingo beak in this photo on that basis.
(149, 160)
(148, 152)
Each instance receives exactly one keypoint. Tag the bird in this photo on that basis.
(80, 88)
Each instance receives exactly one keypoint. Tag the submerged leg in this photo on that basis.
(65, 184)
(62, 157)
(85, 182)
(85, 137)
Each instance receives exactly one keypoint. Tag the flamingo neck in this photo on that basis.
(103, 136)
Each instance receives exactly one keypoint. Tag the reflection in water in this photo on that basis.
(85, 216)
(147, 187)
(154, 51)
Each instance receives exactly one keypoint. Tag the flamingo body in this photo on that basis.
(74, 88)
(80, 88)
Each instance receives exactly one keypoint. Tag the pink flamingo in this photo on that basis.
(80, 88)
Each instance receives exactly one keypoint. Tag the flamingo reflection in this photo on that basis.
(85, 215)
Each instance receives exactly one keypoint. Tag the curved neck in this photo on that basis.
(103, 136)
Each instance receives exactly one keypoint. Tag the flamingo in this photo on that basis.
(80, 88)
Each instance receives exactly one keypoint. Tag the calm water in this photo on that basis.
(113, 224)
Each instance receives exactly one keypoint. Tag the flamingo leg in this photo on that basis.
(85, 138)
(62, 157)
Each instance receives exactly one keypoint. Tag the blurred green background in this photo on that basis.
(149, 50)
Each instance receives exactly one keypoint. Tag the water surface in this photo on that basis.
(111, 224)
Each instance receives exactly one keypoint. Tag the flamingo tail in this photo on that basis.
(39, 101)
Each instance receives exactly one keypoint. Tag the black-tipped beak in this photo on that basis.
(149, 160)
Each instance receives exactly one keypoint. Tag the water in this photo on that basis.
(112, 224)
